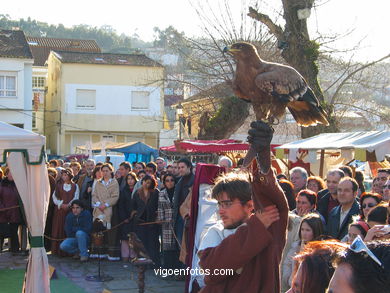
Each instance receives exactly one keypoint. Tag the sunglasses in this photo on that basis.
(386, 186)
(169, 180)
(358, 246)
(369, 205)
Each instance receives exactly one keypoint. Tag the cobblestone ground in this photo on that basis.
(125, 275)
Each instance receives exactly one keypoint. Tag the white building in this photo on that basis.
(16, 63)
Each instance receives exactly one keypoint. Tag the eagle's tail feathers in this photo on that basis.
(308, 117)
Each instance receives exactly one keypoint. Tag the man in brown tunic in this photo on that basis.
(254, 250)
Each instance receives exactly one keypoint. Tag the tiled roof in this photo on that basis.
(13, 44)
(106, 58)
(41, 47)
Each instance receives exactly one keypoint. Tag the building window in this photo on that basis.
(140, 100)
(38, 81)
(86, 99)
(109, 138)
(7, 85)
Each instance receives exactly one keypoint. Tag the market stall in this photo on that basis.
(330, 150)
(24, 153)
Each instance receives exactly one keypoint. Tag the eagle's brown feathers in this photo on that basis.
(271, 87)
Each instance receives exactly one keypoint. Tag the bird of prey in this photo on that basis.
(136, 244)
(271, 87)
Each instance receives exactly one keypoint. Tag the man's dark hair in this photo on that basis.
(236, 186)
(385, 170)
(185, 161)
(347, 171)
(338, 172)
(367, 275)
(378, 214)
(353, 182)
(142, 164)
(78, 202)
(126, 165)
(152, 165)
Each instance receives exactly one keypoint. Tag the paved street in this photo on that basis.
(125, 275)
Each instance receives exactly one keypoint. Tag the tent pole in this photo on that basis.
(322, 163)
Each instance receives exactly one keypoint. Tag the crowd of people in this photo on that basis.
(298, 228)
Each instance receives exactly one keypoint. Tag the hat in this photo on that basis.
(68, 171)
(363, 224)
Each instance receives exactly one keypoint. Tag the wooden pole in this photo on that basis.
(322, 163)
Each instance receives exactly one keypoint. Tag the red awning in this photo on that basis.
(208, 146)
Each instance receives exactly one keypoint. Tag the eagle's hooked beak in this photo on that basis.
(230, 50)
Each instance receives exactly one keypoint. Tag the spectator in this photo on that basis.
(386, 191)
(169, 169)
(139, 166)
(315, 183)
(315, 268)
(125, 208)
(306, 202)
(85, 182)
(53, 164)
(288, 189)
(341, 216)
(60, 163)
(347, 171)
(310, 229)
(78, 226)
(226, 163)
(52, 172)
(170, 255)
(160, 161)
(66, 191)
(377, 186)
(376, 219)
(175, 170)
(141, 174)
(359, 177)
(181, 192)
(383, 175)
(357, 228)
(104, 197)
(124, 169)
(368, 200)
(298, 177)
(9, 197)
(363, 270)
(76, 167)
(145, 203)
(329, 200)
(151, 169)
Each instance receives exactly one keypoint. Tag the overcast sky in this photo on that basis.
(369, 19)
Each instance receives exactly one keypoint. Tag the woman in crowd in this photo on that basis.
(377, 217)
(9, 197)
(315, 268)
(66, 191)
(288, 189)
(306, 203)
(164, 213)
(104, 196)
(358, 228)
(315, 183)
(125, 208)
(377, 186)
(311, 228)
(368, 200)
(145, 203)
(359, 177)
(141, 174)
(87, 196)
(139, 166)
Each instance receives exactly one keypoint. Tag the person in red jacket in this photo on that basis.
(248, 244)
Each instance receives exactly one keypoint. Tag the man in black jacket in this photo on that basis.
(327, 198)
(78, 226)
(341, 216)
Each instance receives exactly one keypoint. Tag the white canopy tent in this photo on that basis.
(23, 151)
(363, 146)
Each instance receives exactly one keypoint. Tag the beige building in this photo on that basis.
(40, 48)
(93, 97)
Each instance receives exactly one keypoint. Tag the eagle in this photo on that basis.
(271, 87)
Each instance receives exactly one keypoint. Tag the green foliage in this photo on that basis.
(232, 110)
(105, 36)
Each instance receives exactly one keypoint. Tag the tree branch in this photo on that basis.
(275, 29)
(352, 74)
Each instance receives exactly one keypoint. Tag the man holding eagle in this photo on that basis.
(253, 250)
